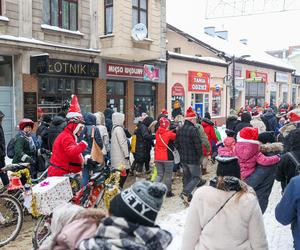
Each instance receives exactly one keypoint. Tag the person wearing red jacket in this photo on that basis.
(163, 154)
(66, 152)
(209, 130)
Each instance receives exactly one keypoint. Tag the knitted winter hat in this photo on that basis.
(246, 116)
(267, 137)
(140, 203)
(248, 134)
(228, 166)
(190, 113)
(164, 122)
(46, 118)
(164, 112)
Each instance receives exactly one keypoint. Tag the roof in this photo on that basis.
(208, 60)
(237, 49)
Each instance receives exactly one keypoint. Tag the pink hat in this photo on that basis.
(164, 122)
(74, 109)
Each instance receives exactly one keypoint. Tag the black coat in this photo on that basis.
(2, 143)
(42, 132)
(231, 122)
(144, 142)
(287, 169)
(189, 144)
(57, 125)
(245, 122)
(270, 120)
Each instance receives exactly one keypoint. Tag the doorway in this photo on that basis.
(200, 102)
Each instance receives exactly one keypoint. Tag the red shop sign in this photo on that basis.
(177, 89)
(198, 81)
(253, 74)
(124, 70)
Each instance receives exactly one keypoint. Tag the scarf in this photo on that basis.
(115, 233)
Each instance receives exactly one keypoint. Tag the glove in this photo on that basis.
(91, 162)
(127, 158)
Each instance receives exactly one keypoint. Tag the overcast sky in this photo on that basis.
(268, 31)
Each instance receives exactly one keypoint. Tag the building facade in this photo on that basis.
(51, 49)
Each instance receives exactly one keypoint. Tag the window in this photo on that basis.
(0, 8)
(108, 15)
(116, 95)
(216, 103)
(5, 71)
(53, 91)
(177, 50)
(144, 99)
(61, 13)
(139, 12)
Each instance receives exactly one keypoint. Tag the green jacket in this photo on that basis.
(22, 149)
(203, 137)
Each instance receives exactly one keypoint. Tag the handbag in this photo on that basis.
(174, 152)
(96, 151)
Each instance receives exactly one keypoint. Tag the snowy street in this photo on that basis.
(279, 237)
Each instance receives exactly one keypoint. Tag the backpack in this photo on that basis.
(295, 161)
(10, 150)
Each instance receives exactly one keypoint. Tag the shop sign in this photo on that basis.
(239, 83)
(199, 109)
(256, 76)
(151, 73)
(177, 89)
(49, 66)
(198, 81)
(281, 77)
(123, 70)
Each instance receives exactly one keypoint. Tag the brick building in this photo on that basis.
(51, 49)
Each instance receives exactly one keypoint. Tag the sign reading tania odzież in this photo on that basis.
(49, 66)
(198, 81)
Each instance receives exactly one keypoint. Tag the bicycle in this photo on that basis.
(95, 194)
(11, 218)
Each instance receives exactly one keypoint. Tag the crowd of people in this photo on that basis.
(261, 146)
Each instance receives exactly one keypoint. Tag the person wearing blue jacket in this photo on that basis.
(288, 209)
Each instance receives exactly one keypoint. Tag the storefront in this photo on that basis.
(134, 89)
(255, 88)
(199, 89)
(178, 93)
(57, 80)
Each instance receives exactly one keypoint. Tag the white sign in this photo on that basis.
(139, 32)
(281, 77)
(239, 83)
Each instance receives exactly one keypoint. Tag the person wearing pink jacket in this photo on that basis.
(257, 169)
(228, 149)
(247, 150)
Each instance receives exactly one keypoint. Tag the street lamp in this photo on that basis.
(233, 59)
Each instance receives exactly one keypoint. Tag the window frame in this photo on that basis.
(140, 9)
(0, 7)
(106, 6)
(60, 14)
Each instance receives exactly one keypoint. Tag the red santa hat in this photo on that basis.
(282, 111)
(74, 109)
(164, 112)
(294, 115)
(190, 113)
(248, 134)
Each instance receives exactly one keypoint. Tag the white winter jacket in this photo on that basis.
(238, 226)
(100, 121)
(119, 146)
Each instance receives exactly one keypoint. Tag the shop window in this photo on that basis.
(61, 13)
(108, 16)
(216, 103)
(285, 97)
(5, 71)
(139, 12)
(144, 99)
(54, 91)
(294, 92)
(116, 95)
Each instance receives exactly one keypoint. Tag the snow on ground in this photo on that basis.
(279, 237)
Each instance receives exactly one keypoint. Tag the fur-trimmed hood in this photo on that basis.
(286, 129)
(271, 147)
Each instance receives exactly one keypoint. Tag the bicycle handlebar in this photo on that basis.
(14, 167)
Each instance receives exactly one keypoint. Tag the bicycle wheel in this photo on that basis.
(11, 218)
(41, 230)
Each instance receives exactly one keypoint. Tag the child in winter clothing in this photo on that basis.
(262, 179)
(228, 149)
(248, 152)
